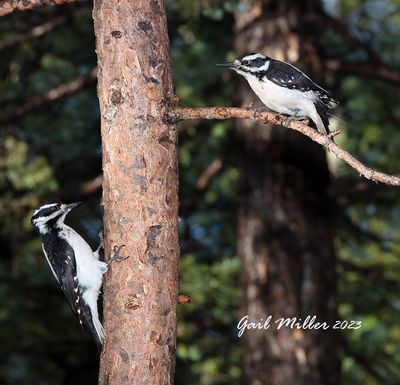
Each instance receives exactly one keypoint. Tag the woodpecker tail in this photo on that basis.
(320, 118)
(91, 320)
(99, 333)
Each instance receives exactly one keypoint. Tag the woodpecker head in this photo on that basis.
(249, 64)
(50, 215)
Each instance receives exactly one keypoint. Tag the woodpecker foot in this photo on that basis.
(287, 119)
(116, 254)
(300, 118)
(101, 240)
(101, 244)
(259, 110)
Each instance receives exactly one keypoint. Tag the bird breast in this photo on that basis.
(89, 269)
(281, 99)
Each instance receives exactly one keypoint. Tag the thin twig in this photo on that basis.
(9, 6)
(92, 185)
(34, 33)
(367, 70)
(176, 114)
(206, 176)
(41, 29)
(202, 183)
(373, 274)
(374, 67)
(54, 94)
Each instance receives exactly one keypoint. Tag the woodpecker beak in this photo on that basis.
(231, 66)
(228, 65)
(69, 207)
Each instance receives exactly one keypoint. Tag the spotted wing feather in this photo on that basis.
(62, 262)
(285, 75)
(61, 258)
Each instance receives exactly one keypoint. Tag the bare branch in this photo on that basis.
(184, 299)
(41, 29)
(9, 6)
(34, 33)
(377, 71)
(92, 185)
(375, 67)
(362, 361)
(203, 181)
(212, 169)
(352, 42)
(53, 95)
(176, 114)
(374, 274)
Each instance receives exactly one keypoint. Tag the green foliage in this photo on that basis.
(22, 173)
(369, 238)
(207, 325)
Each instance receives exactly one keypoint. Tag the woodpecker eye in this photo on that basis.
(246, 62)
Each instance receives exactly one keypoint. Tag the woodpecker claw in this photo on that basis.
(116, 254)
(101, 240)
(262, 109)
(101, 244)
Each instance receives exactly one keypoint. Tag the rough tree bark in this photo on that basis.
(139, 192)
(285, 221)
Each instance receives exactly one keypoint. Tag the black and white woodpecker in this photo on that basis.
(285, 89)
(74, 265)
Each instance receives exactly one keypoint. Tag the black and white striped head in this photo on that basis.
(250, 63)
(50, 215)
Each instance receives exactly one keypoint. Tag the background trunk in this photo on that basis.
(285, 228)
(139, 192)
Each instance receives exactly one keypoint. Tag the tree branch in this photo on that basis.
(375, 67)
(41, 29)
(343, 31)
(34, 33)
(211, 170)
(202, 183)
(52, 95)
(362, 69)
(373, 274)
(9, 6)
(176, 114)
(92, 185)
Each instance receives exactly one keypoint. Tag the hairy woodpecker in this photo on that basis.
(285, 89)
(74, 265)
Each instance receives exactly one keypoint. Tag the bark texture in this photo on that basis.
(139, 192)
(286, 218)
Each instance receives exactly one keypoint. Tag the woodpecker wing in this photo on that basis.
(61, 258)
(286, 75)
(48, 261)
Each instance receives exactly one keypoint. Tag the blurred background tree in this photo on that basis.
(50, 150)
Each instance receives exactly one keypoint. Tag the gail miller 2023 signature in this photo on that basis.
(309, 323)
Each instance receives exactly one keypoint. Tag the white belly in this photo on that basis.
(281, 99)
(89, 269)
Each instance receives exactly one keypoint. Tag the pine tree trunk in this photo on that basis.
(140, 192)
(285, 222)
